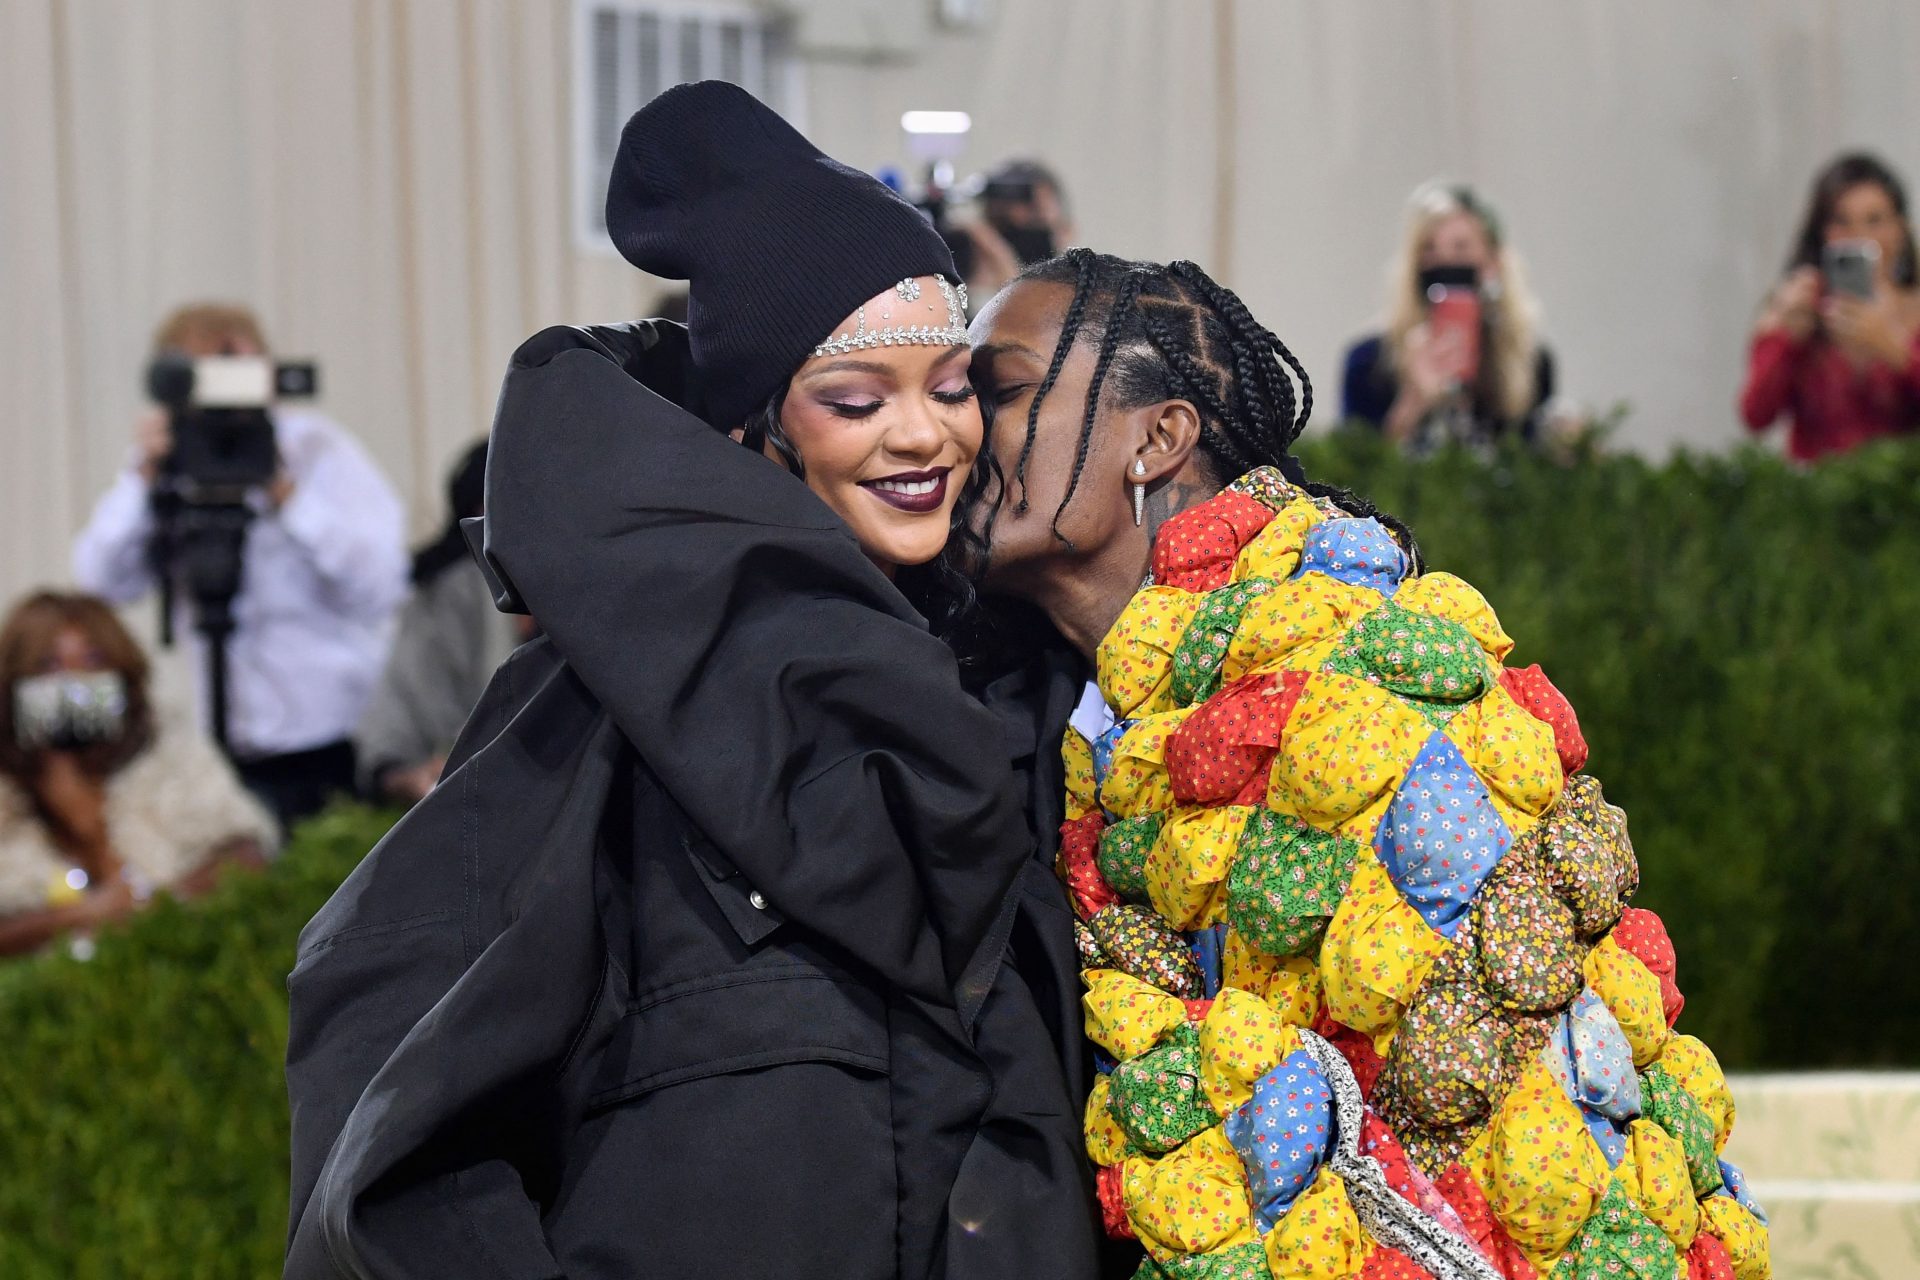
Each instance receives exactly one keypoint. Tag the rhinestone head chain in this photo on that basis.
(952, 334)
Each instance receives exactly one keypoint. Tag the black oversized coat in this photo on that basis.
(722, 949)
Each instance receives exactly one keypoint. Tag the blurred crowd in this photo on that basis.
(348, 667)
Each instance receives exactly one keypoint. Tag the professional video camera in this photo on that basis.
(222, 434)
(997, 195)
(223, 452)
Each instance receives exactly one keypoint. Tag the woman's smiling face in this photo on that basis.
(888, 435)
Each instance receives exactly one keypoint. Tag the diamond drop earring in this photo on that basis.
(1139, 492)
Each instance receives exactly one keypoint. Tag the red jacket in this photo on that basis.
(1835, 407)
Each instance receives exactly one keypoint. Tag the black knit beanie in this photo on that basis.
(777, 243)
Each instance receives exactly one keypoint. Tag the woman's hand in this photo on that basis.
(1428, 371)
(1870, 330)
(105, 904)
(1433, 364)
(994, 262)
(152, 441)
(409, 784)
(1794, 308)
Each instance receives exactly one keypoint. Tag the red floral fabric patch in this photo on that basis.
(1079, 865)
(1377, 1140)
(1221, 753)
(1391, 1264)
(1113, 1202)
(1357, 1048)
(1708, 1259)
(1530, 687)
(1196, 549)
(1643, 935)
(1464, 1194)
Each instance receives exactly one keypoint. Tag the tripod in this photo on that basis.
(198, 546)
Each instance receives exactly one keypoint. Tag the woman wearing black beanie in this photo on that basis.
(720, 949)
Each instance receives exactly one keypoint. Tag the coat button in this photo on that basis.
(758, 899)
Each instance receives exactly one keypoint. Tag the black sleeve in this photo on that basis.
(438, 995)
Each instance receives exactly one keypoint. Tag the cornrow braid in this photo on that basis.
(1264, 341)
(1084, 267)
(1109, 342)
(1196, 383)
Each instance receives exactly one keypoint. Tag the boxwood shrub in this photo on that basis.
(143, 1104)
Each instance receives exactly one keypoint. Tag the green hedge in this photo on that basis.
(143, 1105)
(1738, 637)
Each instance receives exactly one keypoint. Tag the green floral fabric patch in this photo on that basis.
(1123, 854)
(1203, 645)
(1416, 655)
(1617, 1243)
(1242, 1262)
(1286, 882)
(1666, 1102)
(1156, 1099)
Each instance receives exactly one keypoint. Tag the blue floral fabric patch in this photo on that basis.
(1590, 1057)
(1734, 1183)
(1283, 1134)
(1209, 952)
(1360, 552)
(1441, 837)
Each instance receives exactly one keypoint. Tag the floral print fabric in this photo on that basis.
(1440, 840)
(1282, 1134)
(1360, 963)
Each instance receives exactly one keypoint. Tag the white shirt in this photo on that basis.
(1091, 715)
(320, 580)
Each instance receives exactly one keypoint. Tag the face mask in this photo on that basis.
(1435, 280)
(65, 711)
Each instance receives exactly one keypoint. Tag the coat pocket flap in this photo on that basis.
(738, 1022)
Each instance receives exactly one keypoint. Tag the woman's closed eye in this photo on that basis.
(867, 408)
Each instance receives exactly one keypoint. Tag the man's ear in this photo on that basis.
(1165, 436)
(738, 435)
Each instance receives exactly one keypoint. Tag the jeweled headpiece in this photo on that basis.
(952, 334)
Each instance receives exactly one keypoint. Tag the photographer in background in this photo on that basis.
(101, 802)
(1023, 220)
(1461, 359)
(1837, 346)
(323, 568)
(451, 640)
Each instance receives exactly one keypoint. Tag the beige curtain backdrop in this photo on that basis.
(388, 182)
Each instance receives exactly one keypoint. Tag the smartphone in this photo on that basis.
(1453, 320)
(1849, 267)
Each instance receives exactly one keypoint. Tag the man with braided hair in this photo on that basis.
(1366, 995)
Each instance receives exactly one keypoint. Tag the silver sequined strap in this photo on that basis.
(1387, 1216)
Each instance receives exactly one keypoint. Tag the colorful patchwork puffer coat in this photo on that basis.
(1357, 947)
